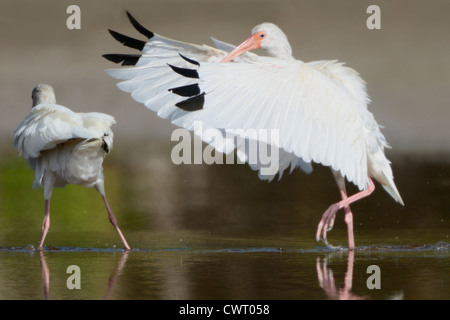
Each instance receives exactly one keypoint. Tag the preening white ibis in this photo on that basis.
(64, 147)
(319, 108)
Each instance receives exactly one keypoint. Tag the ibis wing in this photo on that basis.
(166, 48)
(50, 124)
(151, 77)
(221, 45)
(259, 155)
(151, 74)
(315, 117)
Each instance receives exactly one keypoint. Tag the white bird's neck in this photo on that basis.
(43, 93)
(40, 100)
(283, 52)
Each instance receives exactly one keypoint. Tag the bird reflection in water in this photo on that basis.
(45, 274)
(328, 283)
(115, 275)
(111, 281)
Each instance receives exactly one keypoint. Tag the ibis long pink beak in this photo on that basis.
(252, 42)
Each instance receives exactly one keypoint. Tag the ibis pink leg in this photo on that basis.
(113, 220)
(327, 221)
(45, 224)
(348, 220)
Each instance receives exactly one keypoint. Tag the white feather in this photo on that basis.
(64, 146)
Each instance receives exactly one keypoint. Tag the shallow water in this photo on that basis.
(218, 232)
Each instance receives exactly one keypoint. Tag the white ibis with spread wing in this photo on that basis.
(319, 108)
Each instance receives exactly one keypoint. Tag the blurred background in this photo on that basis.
(405, 63)
(196, 217)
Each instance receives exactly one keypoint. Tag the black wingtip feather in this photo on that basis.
(192, 104)
(128, 41)
(189, 60)
(188, 73)
(187, 91)
(139, 27)
(125, 59)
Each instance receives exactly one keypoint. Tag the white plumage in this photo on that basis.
(64, 147)
(319, 108)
